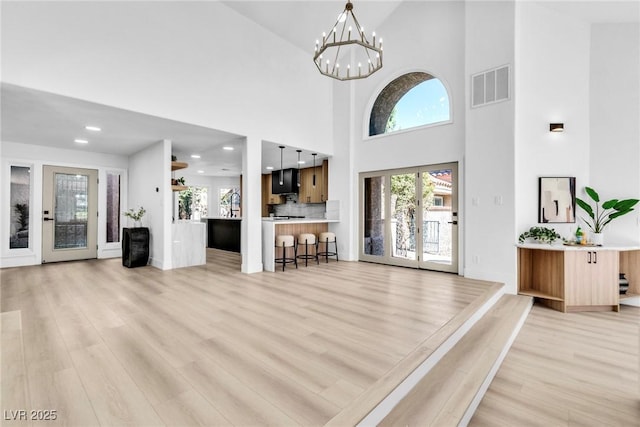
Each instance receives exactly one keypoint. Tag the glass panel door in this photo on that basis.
(439, 218)
(403, 216)
(421, 225)
(373, 244)
(69, 214)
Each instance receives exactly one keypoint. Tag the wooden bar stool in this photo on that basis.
(306, 240)
(324, 239)
(283, 243)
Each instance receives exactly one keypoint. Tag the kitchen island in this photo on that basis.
(271, 228)
(223, 233)
(188, 244)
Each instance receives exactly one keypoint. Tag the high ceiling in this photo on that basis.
(43, 118)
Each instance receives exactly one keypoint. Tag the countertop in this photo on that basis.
(298, 220)
(562, 247)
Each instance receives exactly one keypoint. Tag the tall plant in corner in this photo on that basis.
(605, 213)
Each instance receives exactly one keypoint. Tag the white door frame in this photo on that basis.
(387, 258)
(49, 253)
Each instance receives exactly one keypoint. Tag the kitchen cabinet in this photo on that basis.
(310, 194)
(570, 280)
(268, 198)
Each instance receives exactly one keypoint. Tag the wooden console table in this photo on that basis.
(576, 278)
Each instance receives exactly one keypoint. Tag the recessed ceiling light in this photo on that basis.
(200, 171)
(301, 162)
(195, 156)
(81, 141)
(269, 168)
(93, 128)
(225, 169)
(227, 148)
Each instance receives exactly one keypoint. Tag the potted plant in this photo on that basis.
(603, 214)
(540, 234)
(135, 215)
(135, 241)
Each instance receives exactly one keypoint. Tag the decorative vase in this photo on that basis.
(597, 239)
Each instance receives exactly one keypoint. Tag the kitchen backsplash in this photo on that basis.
(307, 210)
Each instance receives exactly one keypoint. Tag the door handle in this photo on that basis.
(453, 222)
(48, 219)
(595, 257)
(589, 262)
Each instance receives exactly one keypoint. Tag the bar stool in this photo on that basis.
(284, 242)
(324, 239)
(306, 240)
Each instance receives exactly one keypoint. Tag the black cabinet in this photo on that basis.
(135, 247)
(224, 234)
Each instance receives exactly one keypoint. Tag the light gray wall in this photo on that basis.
(149, 179)
(615, 122)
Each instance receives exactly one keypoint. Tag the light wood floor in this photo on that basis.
(105, 345)
(578, 369)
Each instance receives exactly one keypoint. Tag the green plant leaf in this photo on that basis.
(609, 204)
(619, 213)
(625, 204)
(585, 206)
(592, 193)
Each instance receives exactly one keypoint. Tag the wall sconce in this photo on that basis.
(556, 127)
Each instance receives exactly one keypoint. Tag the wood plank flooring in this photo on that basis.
(577, 369)
(105, 345)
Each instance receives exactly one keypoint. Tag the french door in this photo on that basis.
(409, 217)
(69, 214)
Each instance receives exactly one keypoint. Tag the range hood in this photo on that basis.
(289, 181)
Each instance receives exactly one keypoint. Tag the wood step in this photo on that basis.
(416, 364)
(450, 392)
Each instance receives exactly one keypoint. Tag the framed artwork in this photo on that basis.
(556, 199)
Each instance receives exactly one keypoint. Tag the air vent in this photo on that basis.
(490, 86)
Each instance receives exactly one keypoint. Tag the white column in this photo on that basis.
(251, 234)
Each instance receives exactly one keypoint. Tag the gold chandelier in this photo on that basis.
(348, 43)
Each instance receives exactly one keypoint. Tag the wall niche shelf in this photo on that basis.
(174, 167)
(178, 165)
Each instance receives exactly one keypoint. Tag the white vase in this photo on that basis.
(597, 239)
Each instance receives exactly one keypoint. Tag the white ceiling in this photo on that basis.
(31, 116)
(42, 118)
(302, 22)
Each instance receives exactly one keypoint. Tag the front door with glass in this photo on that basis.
(70, 214)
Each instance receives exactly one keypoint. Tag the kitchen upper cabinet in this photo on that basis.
(268, 198)
(310, 193)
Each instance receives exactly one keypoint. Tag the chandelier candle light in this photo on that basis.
(362, 57)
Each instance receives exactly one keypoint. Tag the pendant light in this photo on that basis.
(347, 41)
(314, 169)
(281, 169)
(299, 151)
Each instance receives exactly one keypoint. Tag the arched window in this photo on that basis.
(411, 100)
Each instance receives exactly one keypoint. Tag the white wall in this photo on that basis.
(438, 29)
(615, 122)
(489, 196)
(552, 85)
(149, 179)
(197, 62)
(428, 37)
(36, 156)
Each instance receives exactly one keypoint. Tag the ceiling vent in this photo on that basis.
(490, 86)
